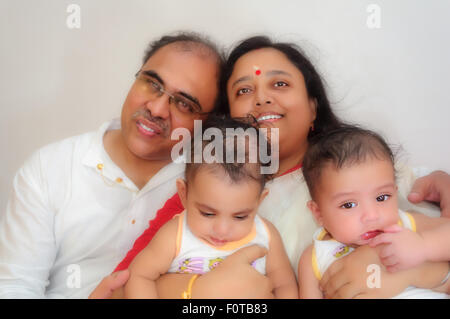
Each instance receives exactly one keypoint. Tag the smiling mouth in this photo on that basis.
(269, 118)
(148, 128)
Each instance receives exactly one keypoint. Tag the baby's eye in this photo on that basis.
(243, 217)
(348, 205)
(383, 198)
(206, 214)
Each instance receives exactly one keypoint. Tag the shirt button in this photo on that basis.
(100, 166)
(119, 180)
(133, 221)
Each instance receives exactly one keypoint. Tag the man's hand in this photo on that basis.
(401, 249)
(347, 277)
(433, 188)
(110, 283)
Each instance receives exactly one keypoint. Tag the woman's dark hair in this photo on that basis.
(342, 147)
(325, 118)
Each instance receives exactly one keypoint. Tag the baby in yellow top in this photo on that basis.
(221, 201)
(351, 178)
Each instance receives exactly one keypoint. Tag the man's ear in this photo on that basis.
(314, 208)
(182, 191)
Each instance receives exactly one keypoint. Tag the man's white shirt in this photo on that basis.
(72, 216)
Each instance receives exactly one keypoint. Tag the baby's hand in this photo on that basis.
(403, 248)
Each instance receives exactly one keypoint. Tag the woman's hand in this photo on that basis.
(234, 278)
(434, 188)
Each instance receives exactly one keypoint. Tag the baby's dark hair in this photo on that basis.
(342, 147)
(248, 168)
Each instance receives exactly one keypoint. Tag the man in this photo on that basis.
(78, 205)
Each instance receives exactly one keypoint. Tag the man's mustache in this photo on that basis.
(146, 114)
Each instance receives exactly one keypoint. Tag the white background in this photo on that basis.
(56, 82)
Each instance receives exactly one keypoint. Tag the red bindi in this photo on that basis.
(258, 72)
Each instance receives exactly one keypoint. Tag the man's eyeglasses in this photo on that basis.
(155, 89)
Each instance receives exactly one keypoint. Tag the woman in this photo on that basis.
(275, 84)
(278, 86)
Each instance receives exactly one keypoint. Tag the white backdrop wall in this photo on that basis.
(56, 82)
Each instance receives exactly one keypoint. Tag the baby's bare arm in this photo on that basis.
(308, 284)
(278, 267)
(153, 261)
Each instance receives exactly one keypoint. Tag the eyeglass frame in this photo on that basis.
(160, 90)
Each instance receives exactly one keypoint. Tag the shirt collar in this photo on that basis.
(96, 153)
(98, 159)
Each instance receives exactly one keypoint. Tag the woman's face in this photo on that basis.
(266, 85)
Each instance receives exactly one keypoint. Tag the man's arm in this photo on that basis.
(27, 242)
(111, 286)
(235, 276)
